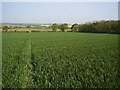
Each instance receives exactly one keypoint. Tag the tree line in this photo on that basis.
(62, 27)
(99, 27)
(112, 26)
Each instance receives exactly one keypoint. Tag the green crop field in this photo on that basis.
(59, 59)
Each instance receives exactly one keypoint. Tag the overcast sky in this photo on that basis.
(58, 12)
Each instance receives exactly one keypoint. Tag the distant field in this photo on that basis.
(49, 25)
(45, 25)
(59, 59)
(27, 29)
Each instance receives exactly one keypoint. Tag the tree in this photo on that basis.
(16, 27)
(101, 27)
(28, 26)
(10, 28)
(54, 27)
(74, 27)
(115, 27)
(83, 27)
(63, 26)
(5, 28)
(91, 28)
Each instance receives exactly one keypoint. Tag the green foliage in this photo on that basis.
(28, 26)
(60, 60)
(54, 27)
(5, 27)
(99, 27)
(16, 27)
(63, 27)
(74, 27)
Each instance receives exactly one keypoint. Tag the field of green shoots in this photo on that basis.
(59, 60)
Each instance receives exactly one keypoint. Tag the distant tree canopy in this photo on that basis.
(54, 27)
(63, 26)
(74, 27)
(112, 26)
(16, 27)
(98, 27)
(28, 26)
(5, 28)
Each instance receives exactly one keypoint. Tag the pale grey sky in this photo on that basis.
(58, 12)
